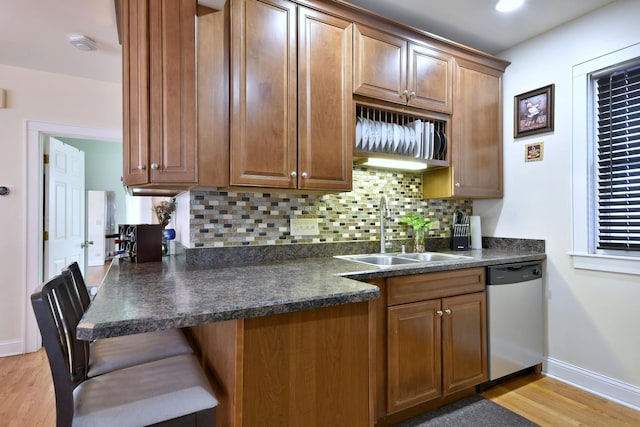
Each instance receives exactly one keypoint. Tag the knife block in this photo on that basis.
(140, 242)
(460, 242)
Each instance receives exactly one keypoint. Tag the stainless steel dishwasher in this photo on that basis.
(515, 317)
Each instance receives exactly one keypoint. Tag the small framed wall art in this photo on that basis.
(534, 152)
(533, 112)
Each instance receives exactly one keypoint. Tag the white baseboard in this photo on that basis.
(11, 347)
(609, 388)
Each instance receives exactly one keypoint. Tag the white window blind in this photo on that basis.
(618, 160)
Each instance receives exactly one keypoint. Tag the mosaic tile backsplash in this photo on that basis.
(230, 218)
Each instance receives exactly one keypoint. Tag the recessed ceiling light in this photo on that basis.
(82, 42)
(508, 5)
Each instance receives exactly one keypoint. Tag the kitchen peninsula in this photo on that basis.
(287, 343)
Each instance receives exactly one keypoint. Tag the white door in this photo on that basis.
(64, 217)
(96, 227)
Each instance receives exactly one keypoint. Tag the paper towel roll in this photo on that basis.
(476, 232)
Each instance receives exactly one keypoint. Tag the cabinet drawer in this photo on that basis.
(419, 287)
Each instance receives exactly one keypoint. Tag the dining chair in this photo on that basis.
(168, 392)
(109, 354)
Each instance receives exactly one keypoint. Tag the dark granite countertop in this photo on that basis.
(138, 298)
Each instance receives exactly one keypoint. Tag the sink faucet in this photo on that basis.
(385, 213)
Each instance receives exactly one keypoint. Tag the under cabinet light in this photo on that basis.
(395, 164)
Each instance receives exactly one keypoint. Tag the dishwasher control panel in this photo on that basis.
(513, 273)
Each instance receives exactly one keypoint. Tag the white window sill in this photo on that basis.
(612, 264)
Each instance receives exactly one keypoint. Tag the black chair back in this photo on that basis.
(80, 285)
(53, 305)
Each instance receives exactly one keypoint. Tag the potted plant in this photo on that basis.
(419, 223)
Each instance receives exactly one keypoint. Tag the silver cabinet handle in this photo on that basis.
(154, 166)
(141, 167)
(412, 95)
(448, 311)
(457, 184)
(86, 244)
(294, 174)
(305, 175)
(405, 94)
(439, 312)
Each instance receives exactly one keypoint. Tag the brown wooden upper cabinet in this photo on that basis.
(291, 108)
(159, 92)
(393, 69)
(476, 156)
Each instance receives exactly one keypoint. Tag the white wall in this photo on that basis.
(182, 221)
(45, 97)
(592, 317)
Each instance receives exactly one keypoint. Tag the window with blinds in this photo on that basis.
(618, 160)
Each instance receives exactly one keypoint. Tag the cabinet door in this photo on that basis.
(135, 93)
(172, 85)
(464, 342)
(477, 131)
(429, 78)
(414, 359)
(324, 101)
(159, 92)
(380, 65)
(263, 93)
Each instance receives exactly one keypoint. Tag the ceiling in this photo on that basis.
(34, 31)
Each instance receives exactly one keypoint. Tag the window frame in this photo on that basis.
(583, 180)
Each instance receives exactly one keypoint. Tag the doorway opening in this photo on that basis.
(37, 133)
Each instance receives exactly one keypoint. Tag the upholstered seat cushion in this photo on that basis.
(143, 394)
(110, 354)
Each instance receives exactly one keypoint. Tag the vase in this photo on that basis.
(167, 235)
(418, 241)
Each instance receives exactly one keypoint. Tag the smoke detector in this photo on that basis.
(82, 42)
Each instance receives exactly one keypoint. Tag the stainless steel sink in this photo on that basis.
(432, 256)
(392, 259)
(379, 259)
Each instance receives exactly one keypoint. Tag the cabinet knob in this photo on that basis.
(154, 166)
(305, 175)
(457, 184)
(448, 311)
(439, 312)
(141, 167)
(405, 94)
(412, 95)
(294, 174)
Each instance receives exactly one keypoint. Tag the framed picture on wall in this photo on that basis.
(533, 112)
(534, 152)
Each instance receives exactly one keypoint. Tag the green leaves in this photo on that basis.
(415, 220)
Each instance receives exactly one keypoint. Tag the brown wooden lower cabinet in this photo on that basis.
(414, 349)
(429, 341)
(306, 368)
(421, 345)
(464, 342)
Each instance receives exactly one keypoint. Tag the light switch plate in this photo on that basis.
(304, 227)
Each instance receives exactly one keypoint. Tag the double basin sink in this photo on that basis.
(398, 259)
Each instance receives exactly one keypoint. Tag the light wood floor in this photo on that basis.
(27, 398)
(552, 403)
(95, 274)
